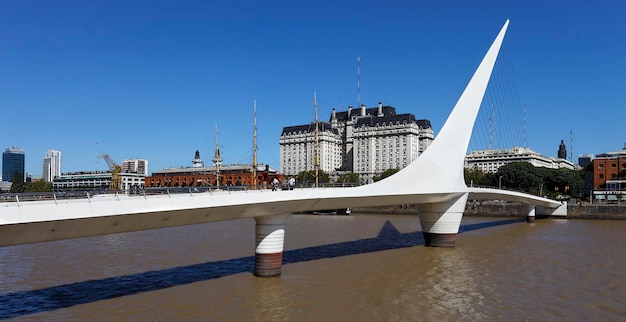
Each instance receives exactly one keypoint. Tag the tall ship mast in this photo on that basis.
(217, 160)
(254, 148)
(317, 143)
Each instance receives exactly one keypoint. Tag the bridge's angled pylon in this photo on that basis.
(437, 174)
(440, 167)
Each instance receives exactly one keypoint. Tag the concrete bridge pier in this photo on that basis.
(270, 239)
(441, 221)
(530, 214)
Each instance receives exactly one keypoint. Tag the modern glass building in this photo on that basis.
(12, 163)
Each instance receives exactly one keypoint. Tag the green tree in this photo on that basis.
(563, 182)
(387, 173)
(521, 176)
(477, 177)
(309, 177)
(38, 186)
(349, 178)
(18, 185)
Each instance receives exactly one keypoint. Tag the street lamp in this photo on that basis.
(500, 182)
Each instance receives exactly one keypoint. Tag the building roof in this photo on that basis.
(373, 120)
(615, 154)
(14, 150)
(322, 127)
(225, 168)
(346, 115)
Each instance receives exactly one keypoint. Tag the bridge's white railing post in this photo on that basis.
(270, 240)
(441, 221)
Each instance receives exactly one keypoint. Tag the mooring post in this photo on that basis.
(270, 240)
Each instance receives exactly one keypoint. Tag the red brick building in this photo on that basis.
(230, 175)
(609, 176)
(606, 168)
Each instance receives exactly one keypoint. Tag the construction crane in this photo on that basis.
(116, 172)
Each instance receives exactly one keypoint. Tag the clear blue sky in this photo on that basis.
(151, 79)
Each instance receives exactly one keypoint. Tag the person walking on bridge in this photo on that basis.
(292, 183)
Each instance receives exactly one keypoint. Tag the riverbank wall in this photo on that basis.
(503, 209)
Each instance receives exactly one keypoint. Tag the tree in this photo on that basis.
(563, 182)
(18, 185)
(519, 176)
(309, 177)
(525, 177)
(350, 178)
(387, 173)
(477, 177)
(38, 186)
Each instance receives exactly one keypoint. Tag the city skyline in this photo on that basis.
(152, 81)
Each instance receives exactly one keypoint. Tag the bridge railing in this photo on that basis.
(87, 194)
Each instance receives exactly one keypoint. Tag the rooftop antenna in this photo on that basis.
(571, 146)
(524, 121)
(358, 81)
(97, 158)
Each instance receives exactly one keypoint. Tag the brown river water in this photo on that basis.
(361, 267)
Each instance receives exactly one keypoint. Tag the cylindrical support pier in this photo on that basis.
(270, 239)
(530, 215)
(441, 221)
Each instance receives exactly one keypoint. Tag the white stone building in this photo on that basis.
(489, 161)
(298, 149)
(366, 141)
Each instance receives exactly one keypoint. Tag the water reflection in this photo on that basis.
(452, 286)
(270, 300)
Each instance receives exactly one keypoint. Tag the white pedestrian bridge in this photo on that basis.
(434, 182)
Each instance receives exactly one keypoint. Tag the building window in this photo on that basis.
(601, 176)
(600, 166)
